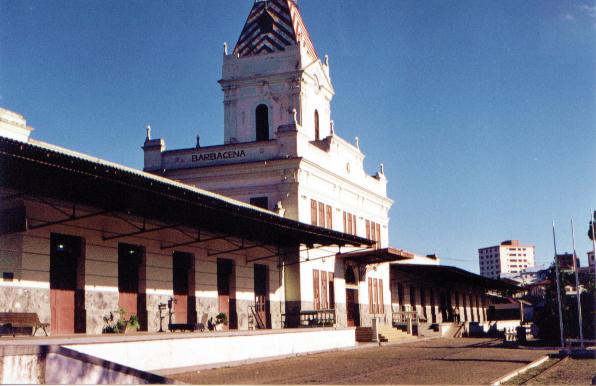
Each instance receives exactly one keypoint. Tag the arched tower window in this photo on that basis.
(317, 133)
(262, 123)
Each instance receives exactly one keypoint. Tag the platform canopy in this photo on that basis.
(376, 256)
(42, 170)
(444, 275)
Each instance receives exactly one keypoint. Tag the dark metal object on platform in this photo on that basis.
(161, 307)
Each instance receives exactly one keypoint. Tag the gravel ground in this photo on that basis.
(567, 372)
(437, 361)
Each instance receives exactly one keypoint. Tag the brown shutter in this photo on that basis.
(345, 223)
(349, 223)
(373, 231)
(313, 212)
(368, 229)
(331, 291)
(378, 235)
(324, 283)
(381, 303)
(370, 296)
(354, 224)
(376, 298)
(316, 293)
(329, 220)
(321, 214)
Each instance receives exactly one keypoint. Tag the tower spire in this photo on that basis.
(272, 26)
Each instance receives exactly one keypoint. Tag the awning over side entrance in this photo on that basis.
(376, 256)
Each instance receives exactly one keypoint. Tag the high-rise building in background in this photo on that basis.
(508, 257)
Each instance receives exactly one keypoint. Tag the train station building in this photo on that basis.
(279, 227)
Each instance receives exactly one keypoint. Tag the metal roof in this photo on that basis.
(53, 172)
(446, 275)
(375, 256)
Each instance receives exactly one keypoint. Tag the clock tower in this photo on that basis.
(274, 77)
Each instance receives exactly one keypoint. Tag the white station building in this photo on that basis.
(281, 153)
(277, 228)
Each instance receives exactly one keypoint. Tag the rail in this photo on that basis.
(403, 317)
(312, 318)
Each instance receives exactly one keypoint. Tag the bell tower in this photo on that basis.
(273, 70)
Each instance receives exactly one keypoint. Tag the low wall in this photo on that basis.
(59, 365)
(170, 355)
(475, 328)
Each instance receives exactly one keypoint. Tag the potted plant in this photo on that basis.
(116, 322)
(221, 320)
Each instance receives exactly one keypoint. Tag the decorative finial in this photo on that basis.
(357, 143)
(381, 169)
(225, 48)
(326, 60)
(198, 141)
(147, 132)
(295, 116)
(279, 209)
(332, 126)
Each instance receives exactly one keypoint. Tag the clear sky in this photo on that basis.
(483, 112)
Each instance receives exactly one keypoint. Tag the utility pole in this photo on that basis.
(558, 289)
(577, 290)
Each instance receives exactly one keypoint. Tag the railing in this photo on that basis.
(314, 318)
(404, 317)
(256, 318)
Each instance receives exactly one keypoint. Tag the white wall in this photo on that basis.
(165, 354)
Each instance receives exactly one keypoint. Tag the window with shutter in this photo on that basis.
(329, 216)
(368, 229)
(313, 212)
(350, 231)
(316, 293)
(381, 303)
(321, 214)
(345, 223)
(378, 226)
(324, 304)
(331, 291)
(376, 298)
(370, 296)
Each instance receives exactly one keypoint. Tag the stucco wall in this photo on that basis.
(169, 354)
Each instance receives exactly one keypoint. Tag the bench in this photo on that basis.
(192, 327)
(17, 322)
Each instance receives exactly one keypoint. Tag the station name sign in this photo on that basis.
(219, 155)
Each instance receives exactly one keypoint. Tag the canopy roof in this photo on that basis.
(375, 256)
(446, 275)
(44, 170)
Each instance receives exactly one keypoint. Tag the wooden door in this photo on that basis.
(225, 291)
(353, 309)
(129, 260)
(261, 285)
(182, 273)
(64, 255)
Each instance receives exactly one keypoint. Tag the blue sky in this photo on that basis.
(483, 112)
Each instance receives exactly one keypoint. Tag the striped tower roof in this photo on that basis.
(273, 25)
